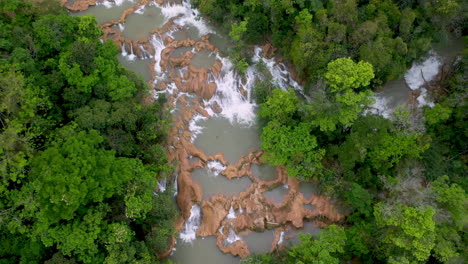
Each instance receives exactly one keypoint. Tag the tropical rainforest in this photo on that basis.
(82, 150)
(80, 155)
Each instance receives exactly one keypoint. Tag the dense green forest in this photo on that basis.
(403, 178)
(389, 34)
(79, 154)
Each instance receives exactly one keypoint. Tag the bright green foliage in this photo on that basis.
(344, 73)
(386, 33)
(294, 147)
(280, 107)
(342, 102)
(360, 199)
(325, 249)
(237, 30)
(374, 147)
(62, 187)
(437, 114)
(79, 156)
(409, 231)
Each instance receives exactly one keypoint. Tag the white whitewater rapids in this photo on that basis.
(191, 225)
(233, 92)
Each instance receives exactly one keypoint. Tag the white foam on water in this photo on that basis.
(126, 55)
(121, 27)
(194, 127)
(232, 213)
(429, 68)
(176, 190)
(236, 108)
(186, 16)
(380, 106)
(124, 51)
(132, 55)
(281, 240)
(191, 225)
(140, 10)
(162, 185)
(110, 4)
(146, 54)
(424, 99)
(279, 72)
(216, 166)
(158, 46)
(233, 237)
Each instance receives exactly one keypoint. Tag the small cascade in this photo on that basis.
(140, 10)
(233, 237)
(162, 185)
(424, 99)
(187, 16)
(241, 211)
(191, 225)
(215, 166)
(124, 52)
(281, 239)
(236, 108)
(279, 72)
(232, 213)
(121, 27)
(158, 46)
(194, 127)
(380, 107)
(176, 191)
(110, 4)
(132, 55)
(426, 70)
(144, 53)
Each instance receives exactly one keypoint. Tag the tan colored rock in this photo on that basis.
(216, 108)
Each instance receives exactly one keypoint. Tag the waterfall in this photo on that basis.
(191, 225)
(162, 185)
(232, 213)
(281, 240)
(176, 191)
(187, 16)
(158, 46)
(233, 237)
(215, 166)
(132, 56)
(429, 68)
(194, 127)
(236, 108)
(279, 72)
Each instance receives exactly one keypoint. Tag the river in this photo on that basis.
(231, 203)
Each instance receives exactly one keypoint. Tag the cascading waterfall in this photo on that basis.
(232, 213)
(236, 108)
(110, 4)
(215, 166)
(423, 72)
(281, 239)
(188, 16)
(162, 185)
(232, 237)
(279, 72)
(158, 46)
(191, 225)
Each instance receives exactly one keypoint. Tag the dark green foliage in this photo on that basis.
(389, 34)
(80, 156)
